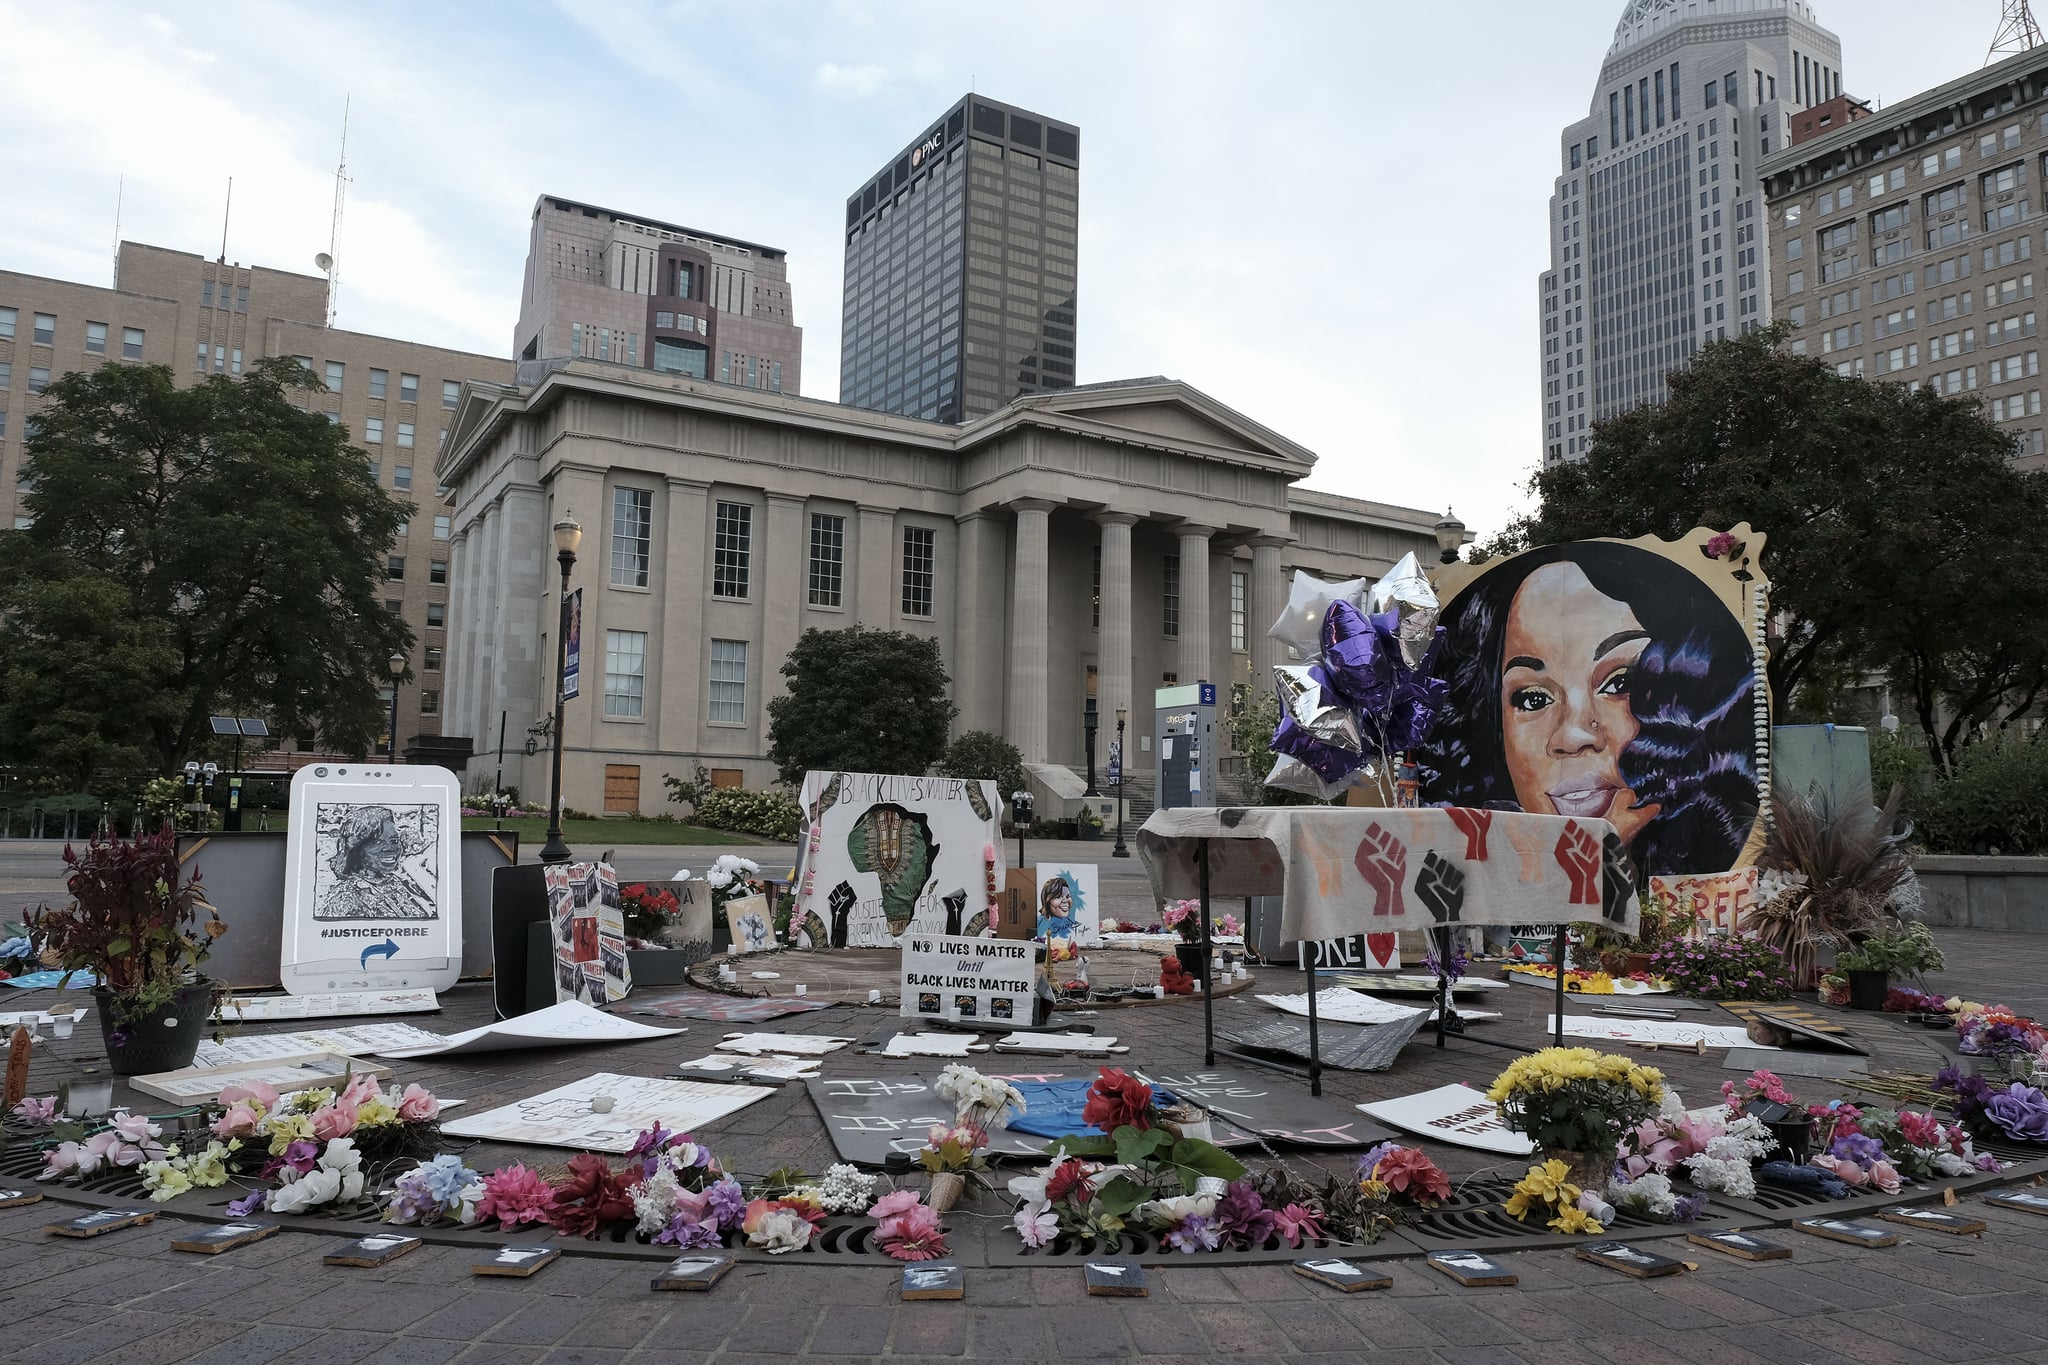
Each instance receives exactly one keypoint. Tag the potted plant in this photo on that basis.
(1575, 1103)
(1664, 920)
(1871, 963)
(135, 924)
(1091, 823)
(657, 925)
(1838, 873)
(1185, 919)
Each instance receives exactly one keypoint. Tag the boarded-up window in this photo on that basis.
(621, 788)
(727, 777)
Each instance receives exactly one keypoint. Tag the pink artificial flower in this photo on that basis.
(418, 1104)
(1296, 1224)
(239, 1121)
(65, 1158)
(135, 1128)
(331, 1121)
(265, 1095)
(361, 1087)
(33, 1110)
(1885, 1176)
(1036, 1224)
(912, 1235)
(1229, 925)
(895, 1203)
(1920, 1130)
(515, 1195)
(1848, 1172)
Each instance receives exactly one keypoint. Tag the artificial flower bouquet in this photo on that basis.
(1184, 919)
(1576, 1100)
(1996, 1032)
(2016, 1111)
(980, 1105)
(1548, 1192)
(649, 910)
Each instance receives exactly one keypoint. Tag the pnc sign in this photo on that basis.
(927, 148)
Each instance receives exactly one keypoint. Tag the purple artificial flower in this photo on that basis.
(1453, 970)
(1242, 1217)
(650, 1141)
(119, 1037)
(242, 1208)
(1372, 1158)
(1857, 1148)
(1688, 1207)
(1192, 1234)
(1988, 1162)
(2021, 1112)
(729, 1202)
(689, 1234)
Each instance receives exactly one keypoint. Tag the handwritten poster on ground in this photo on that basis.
(966, 978)
(1456, 1114)
(562, 1117)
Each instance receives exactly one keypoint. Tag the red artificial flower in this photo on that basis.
(1069, 1179)
(591, 1197)
(1405, 1170)
(636, 890)
(1117, 1100)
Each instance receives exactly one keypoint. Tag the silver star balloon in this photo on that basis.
(1314, 709)
(1405, 590)
(1291, 774)
(1308, 602)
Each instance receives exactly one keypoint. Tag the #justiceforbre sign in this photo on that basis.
(966, 978)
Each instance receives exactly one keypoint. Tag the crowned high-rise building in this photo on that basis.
(1657, 236)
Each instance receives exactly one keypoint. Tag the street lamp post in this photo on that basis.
(568, 535)
(1450, 534)
(396, 663)
(1121, 850)
(1088, 726)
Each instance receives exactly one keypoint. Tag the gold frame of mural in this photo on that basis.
(1737, 580)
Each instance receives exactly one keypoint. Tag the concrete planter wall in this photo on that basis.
(1971, 892)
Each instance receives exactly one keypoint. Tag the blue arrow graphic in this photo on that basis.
(387, 949)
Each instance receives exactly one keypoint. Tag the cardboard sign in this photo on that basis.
(1345, 1046)
(750, 924)
(373, 873)
(871, 1119)
(263, 1009)
(358, 1040)
(1643, 1265)
(561, 1025)
(1740, 1244)
(226, 1237)
(1665, 1033)
(519, 1262)
(727, 1009)
(934, 1280)
(1471, 1269)
(306, 1071)
(1343, 1006)
(1017, 906)
(966, 978)
(1456, 1114)
(564, 1117)
(1269, 1105)
(1341, 1275)
(1069, 908)
(375, 1250)
(889, 854)
(1723, 900)
(588, 929)
(693, 1274)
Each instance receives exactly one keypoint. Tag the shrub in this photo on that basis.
(1996, 800)
(770, 814)
(980, 754)
(1724, 967)
(688, 791)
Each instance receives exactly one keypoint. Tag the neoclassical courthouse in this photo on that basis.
(1086, 545)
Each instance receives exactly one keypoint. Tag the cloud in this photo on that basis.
(860, 81)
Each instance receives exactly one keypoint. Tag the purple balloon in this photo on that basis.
(1330, 762)
(1361, 655)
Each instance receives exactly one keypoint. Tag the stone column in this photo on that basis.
(783, 586)
(1264, 603)
(682, 656)
(460, 716)
(980, 623)
(1113, 656)
(1029, 628)
(1195, 658)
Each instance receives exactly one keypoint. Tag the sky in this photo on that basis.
(1329, 216)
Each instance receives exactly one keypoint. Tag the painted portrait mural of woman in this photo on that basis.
(1602, 679)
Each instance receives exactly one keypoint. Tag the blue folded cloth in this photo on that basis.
(1053, 1108)
(1802, 1178)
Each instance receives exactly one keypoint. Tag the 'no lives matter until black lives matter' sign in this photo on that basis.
(966, 978)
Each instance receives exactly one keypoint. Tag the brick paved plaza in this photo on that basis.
(128, 1297)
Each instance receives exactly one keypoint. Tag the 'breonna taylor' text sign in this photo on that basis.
(966, 978)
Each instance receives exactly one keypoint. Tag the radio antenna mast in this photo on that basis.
(330, 259)
(2017, 32)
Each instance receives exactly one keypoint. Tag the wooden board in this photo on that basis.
(1846, 1230)
(693, 1274)
(1803, 1024)
(1341, 1275)
(519, 1262)
(1935, 1220)
(1116, 1279)
(226, 1237)
(1740, 1245)
(933, 1280)
(2026, 1201)
(301, 1071)
(377, 1249)
(1471, 1269)
(1643, 1265)
(14, 1199)
(105, 1221)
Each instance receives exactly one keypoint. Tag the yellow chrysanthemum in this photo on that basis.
(1574, 1219)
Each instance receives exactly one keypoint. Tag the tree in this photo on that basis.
(193, 551)
(980, 754)
(860, 700)
(1900, 536)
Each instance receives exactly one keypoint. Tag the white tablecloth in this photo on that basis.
(1344, 870)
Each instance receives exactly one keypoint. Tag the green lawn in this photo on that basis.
(533, 832)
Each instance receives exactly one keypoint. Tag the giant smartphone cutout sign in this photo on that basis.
(373, 879)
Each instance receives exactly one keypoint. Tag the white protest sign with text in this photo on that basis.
(966, 978)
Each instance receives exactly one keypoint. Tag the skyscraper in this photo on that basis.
(1656, 225)
(960, 267)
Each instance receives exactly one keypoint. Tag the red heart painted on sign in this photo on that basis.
(1383, 949)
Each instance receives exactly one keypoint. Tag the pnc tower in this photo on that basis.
(1656, 223)
(960, 267)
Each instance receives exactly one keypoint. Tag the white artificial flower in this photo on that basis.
(1030, 1188)
(1948, 1163)
(1673, 1107)
(654, 1202)
(1649, 1193)
(1166, 1212)
(781, 1231)
(1723, 1175)
(315, 1187)
(846, 1189)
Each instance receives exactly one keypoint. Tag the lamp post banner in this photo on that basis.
(572, 665)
